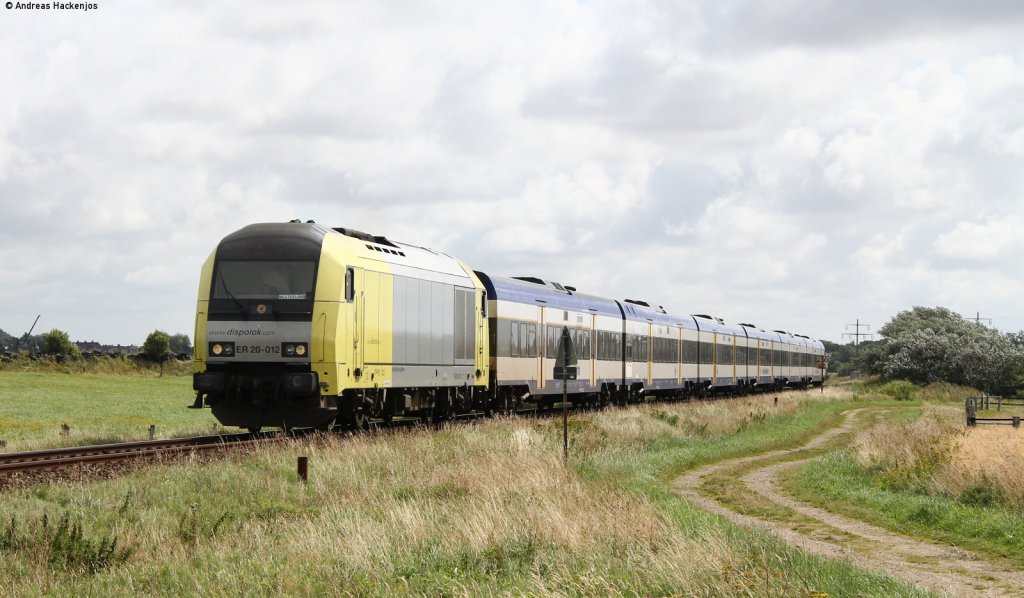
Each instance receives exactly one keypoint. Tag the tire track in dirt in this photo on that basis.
(946, 570)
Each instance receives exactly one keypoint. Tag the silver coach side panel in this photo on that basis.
(433, 319)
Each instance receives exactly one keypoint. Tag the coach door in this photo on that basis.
(649, 341)
(543, 342)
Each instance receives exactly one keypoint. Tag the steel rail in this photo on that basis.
(101, 453)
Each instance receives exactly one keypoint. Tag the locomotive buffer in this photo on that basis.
(565, 370)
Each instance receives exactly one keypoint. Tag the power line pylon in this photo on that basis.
(856, 334)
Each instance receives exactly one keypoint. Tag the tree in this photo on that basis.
(157, 345)
(929, 344)
(845, 359)
(57, 342)
(180, 343)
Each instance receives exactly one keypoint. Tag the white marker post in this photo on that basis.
(565, 370)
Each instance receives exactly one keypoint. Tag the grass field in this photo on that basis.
(481, 509)
(929, 477)
(97, 408)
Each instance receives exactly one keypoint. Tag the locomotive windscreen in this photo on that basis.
(264, 280)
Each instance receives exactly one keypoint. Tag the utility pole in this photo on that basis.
(977, 318)
(856, 334)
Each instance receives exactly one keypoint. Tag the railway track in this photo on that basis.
(14, 463)
(11, 463)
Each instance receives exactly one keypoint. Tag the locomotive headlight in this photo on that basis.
(222, 349)
(294, 349)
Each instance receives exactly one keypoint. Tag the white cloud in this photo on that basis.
(993, 238)
(796, 167)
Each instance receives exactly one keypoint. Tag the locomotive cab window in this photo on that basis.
(264, 280)
(350, 287)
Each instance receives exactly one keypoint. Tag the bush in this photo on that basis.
(57, 342)
(901, 390)
(983, 493)
(180, 343)
(157, 345)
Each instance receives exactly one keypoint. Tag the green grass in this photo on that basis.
(838, 482)
(97, 408)
(648, 470)
(478, 509)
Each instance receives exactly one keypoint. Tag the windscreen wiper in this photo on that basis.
(223, 283)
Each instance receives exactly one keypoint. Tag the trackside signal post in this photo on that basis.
(823, 365)
(565, 370)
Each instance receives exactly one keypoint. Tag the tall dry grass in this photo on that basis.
(703, 418)
(911, 451)
(400, 498)
(938, 454)
(988, 459)
(493, 499)
(488, 508)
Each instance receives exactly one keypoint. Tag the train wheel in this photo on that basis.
(255, 430)
(327, 427)
(359, 420)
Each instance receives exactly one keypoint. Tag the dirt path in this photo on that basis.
(948, 571)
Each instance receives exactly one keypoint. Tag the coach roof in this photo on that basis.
(538, 292)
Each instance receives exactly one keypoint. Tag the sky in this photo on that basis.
(798, 165)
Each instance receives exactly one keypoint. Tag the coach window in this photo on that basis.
(531, 342)
(707, 352)
(514, 338)
(502, 334)
(350, 291)
(689, 352)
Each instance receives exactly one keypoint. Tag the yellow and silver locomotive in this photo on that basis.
(300, 325)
